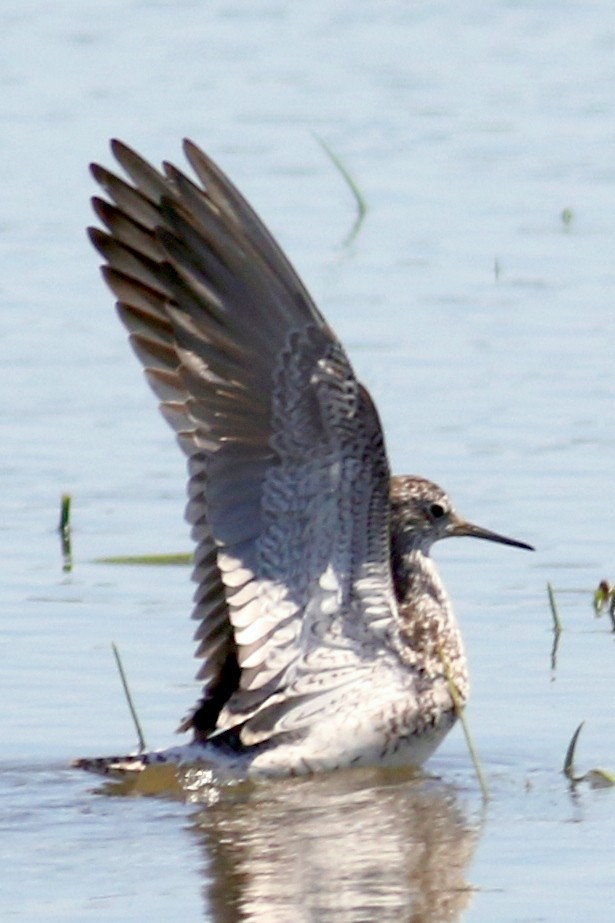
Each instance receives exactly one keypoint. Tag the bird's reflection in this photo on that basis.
(353, 846)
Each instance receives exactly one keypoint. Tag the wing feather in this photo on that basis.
(288, 476)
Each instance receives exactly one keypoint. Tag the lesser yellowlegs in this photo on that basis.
(326, 636)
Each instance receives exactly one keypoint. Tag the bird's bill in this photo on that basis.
(461, 527)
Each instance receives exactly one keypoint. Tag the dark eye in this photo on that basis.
(436, 511)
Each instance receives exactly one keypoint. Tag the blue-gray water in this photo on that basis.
(483, 324)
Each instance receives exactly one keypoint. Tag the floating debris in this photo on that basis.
(149, 560)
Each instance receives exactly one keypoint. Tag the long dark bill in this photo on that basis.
(461, 527)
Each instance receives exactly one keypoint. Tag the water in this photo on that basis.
(481, 321)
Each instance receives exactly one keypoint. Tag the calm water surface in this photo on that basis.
(483, 324)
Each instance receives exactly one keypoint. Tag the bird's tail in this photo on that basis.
(115, 766)
(171, 766)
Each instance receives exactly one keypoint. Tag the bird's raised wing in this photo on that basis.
(288, 487)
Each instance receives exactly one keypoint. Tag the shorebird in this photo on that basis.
(326, 635)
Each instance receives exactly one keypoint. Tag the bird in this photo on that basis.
(326, 637)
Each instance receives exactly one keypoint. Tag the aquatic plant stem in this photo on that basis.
(460, 712)
(557, 624)
(65, 532)
(131, 706)
(352, 185)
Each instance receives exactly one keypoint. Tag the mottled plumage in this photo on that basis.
(326, 636)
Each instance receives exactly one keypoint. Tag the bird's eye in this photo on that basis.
(436, 511)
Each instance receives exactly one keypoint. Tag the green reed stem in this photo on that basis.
(131, 705)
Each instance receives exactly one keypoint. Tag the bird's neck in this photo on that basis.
(415, 574)
(428, 631)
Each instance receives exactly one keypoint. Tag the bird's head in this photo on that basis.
(422, 513)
